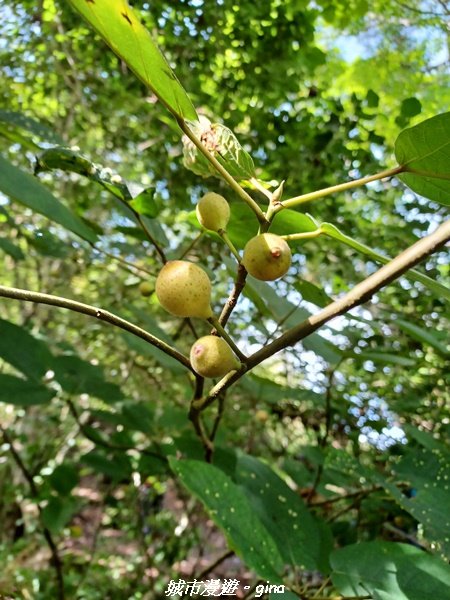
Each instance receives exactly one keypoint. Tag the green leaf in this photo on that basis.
(9, 248)
(27, 190)
(344, 470)
(312, 293)
(426, 336)
(269, 391)
(23, 392)
(389, 571)
(48, 244)
(27, 132)
(117, 466)
(425, 439)
(145, 349)
(145, 204)
(438, 289)
(69, 160)
(411, 107)
(282, 511)
(384, 358)
(288, 221)
(424, 152)
(372, 99)
(58, 513)
(23, 351)
(77, 376)
(426, 472)
(124, 33)
(64, 478)
(138, 417)
(229, 507)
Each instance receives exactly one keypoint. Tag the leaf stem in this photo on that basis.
(98, 313)
(341, 187)
(307, 235)
(222, 171)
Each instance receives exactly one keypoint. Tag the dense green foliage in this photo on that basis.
(324, 469)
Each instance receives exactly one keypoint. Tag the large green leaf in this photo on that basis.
(427, 336)
(23, 392)
(243, 224)
(58, 512)
(389, 571)
(438, 289)
(115, 465)
(73, 161)
(23, 351)
(230, 509)
(27, 190)
(124, 33)
(64, 478)
(27, 131)
(426, 474)
(9, 248)
(424, 152)
(282, 511)
(385, 358)
(77, 376)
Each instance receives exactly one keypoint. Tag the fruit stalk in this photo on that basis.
(214, 321)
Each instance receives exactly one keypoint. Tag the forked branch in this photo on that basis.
(357, 296)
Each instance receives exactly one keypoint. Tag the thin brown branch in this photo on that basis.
(98, 313)
(191, 245)
(360, 294)
(215, 564)
(322, 442)
(219, 415)
(195, 418)
(56, 559)
(231, 302)
(362, 493)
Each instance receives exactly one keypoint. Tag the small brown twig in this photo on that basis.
(98, 313)
(215, 564)
(231, 302)
(56, 559)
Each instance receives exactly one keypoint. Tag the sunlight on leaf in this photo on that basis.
(121, 29)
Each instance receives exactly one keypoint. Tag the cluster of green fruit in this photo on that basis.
(184, 289)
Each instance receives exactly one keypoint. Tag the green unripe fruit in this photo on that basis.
(211, 356)
(184, 289)
(213, 212)
(145, 289)
(267, 257)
